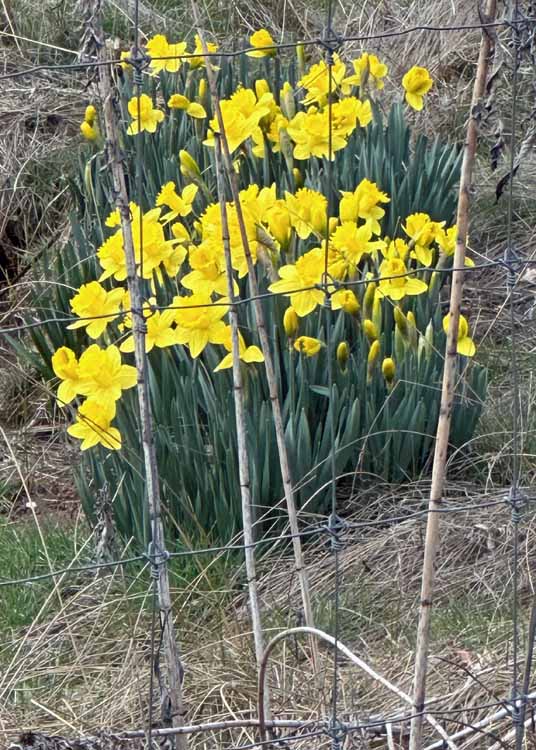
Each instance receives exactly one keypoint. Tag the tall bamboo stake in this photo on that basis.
(447, 393)
(243, 462)
(265, 346)
(173, 711)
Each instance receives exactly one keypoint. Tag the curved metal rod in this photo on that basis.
(349, 655)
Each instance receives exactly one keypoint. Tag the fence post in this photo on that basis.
(447, 391)
(172, 706)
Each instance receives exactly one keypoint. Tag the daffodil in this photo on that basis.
(317, 84)
(446, 239)
(247, 354)
(95, 307)
(465, 344)
(111, 255)
(180, 205)
(198, 60)
(208, 274)
(307, 210)
(90, 114)
(299, 281)
(397, 248)
(345, 299)
(350, 244)
(94, 426)
(160, 332)
(103, 376)
(241, 115)
(366, 68)
(363, 203)
(395, 281)
(199, 322)
(164, 56)
(347, 112)
(310, 132)
(342, 354)
(194, 109)
(308, 345)
(90, 132)
(389, 370)
(263, 43)
(279, 223)
(416, 82)
(144, 116)
(422, 231)
(65, 366)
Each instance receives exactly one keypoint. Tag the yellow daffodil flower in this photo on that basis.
(103, 376)
(65, 366)
(145, 117)
(164, 56)
(422, 231)
(347, 112)
(307, 210)
(466, 345)
(304, 275)
(350, 243)
(316, 81)
(96, 307)
(367, 67)
(345, 299)
(310, 131)
(199, 322)
(180, 205)
(396, 249)
(446, 239)
(199, 61)
(394, 281)
(160, 332)
(90, 132)
(247, 354)
(263, 43)
(90, 114)
(208, 274)
(308, 345)
(111, 255)
(417, 82)
(188, 166)
(93, 426)
(241, 115)
(363, 203)
(194, 109)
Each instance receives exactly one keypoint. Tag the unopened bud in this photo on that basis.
(368, 299)
(286, 98)
(401, 323)
(291, 322)
(389, 369)
(374, 353)
(188, 165)
(261, 87)
(377, 312)
(90, 114)
(369, 329)
(300, 56)
(343, 354)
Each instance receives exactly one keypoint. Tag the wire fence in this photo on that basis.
(333, 528)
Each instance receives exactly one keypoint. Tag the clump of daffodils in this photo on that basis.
(308, 260)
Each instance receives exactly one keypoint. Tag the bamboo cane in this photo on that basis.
(265, 346)
(243, 461)
(447, 392)
(171, 696)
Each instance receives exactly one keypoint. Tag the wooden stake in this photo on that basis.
(243, 460)
(173, 711)
(265, 346)
(447, 392)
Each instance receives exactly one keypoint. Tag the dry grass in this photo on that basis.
(83, 665)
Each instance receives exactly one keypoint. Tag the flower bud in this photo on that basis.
(374, 353)
(90, 114)
(349, 302)
(286, 98)
(389, 369)
(291, 322)
(369, 329)
(401, 323)
(298, 177)
(300, 56)
(261, 87)
(377, 312)
(188, 165)
(89, 132)
(286, 146)
(343, 354)
(368, 299)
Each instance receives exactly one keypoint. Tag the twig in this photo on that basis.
(173, 692)
(447, 395)
(265, 346)
(243, 458)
